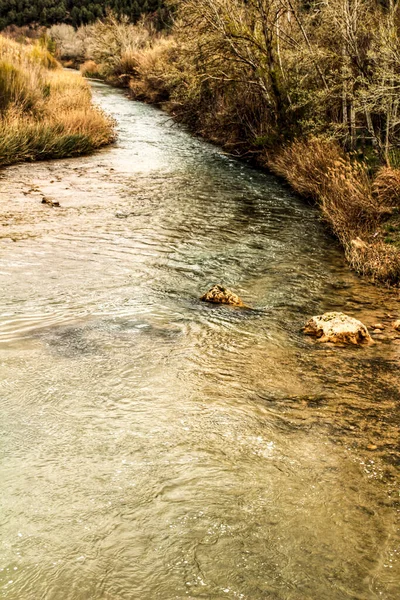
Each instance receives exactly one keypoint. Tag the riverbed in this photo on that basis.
(156, 447)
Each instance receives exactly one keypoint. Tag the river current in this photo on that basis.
(156, 447)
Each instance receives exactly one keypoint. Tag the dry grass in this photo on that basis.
(320, 170)
(90, 69)
(378, 260)
(355, 206)
(154, 71)
(387, 186)
(113, 43)
(45, 112)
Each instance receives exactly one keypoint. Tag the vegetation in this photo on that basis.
(45, 112)
(49, 12)
(310, 90)
(361, 209)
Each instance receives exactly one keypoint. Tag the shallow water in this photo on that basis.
(157, 447)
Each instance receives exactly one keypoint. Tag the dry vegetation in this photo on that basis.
(45, 112)
(358, 206)
(310, 90)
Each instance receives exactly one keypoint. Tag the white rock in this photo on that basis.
(338, 328)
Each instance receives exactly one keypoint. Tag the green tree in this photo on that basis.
(76, 12)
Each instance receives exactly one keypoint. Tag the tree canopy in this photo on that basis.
(74, 12)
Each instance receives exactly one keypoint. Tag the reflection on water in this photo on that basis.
(158, 447)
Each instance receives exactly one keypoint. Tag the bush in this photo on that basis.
(70, 44)
(112, 43)
(90, 69)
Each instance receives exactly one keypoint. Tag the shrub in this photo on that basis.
(154, 67)
(90, 69)
(112, 43)
(70, 44)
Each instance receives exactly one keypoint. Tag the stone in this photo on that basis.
(221, 295)
(338, 328)
(396, 325)
(378, 326)
(49, 201)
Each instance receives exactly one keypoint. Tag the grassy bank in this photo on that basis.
(310, 93)
(45, 112)
(362, 209)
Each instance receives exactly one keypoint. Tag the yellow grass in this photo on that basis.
(90, 69)
(45, 112)
(355, 205)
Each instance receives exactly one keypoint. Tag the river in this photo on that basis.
(156, 447)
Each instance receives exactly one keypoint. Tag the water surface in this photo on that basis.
(157, 447)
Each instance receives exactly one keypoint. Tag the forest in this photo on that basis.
(76, 13)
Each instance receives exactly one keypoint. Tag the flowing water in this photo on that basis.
(156, 447)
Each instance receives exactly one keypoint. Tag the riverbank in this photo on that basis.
(360, 206)
(292, 113)
(45, 112)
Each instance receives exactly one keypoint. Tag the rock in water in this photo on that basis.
(49, 201)
(338, 328)
(221, 295)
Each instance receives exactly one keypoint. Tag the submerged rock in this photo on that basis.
(221, 295)
(338, 328)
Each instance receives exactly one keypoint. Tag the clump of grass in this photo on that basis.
(320, 170)
(354, 204)
(20, 88)
(45, 112)
(387, 186)
(40, 55)
(90, 69)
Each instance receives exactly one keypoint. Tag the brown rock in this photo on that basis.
(49, 201)
(221, 295)
(338, 328)
(378, 326)
(396, 325)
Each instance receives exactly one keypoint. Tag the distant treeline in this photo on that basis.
(74, 12)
